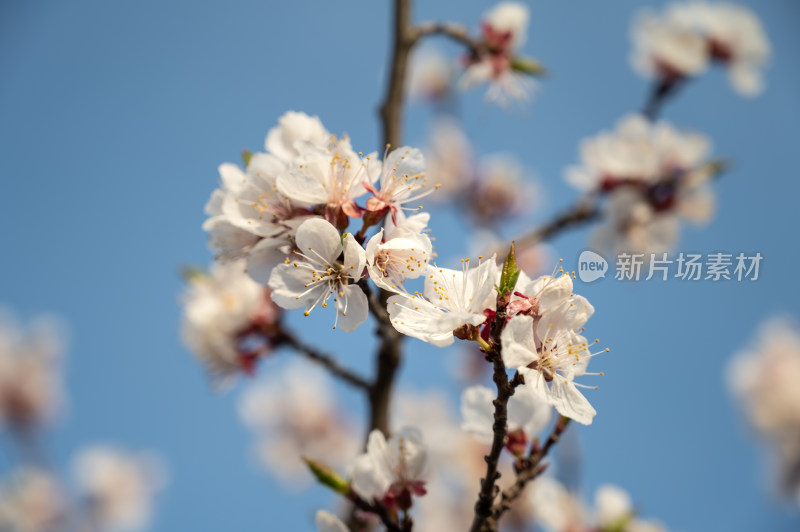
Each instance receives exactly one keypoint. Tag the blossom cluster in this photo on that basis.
(287, 214)
(115, 488)
(653, 176)
(229, 320)
(686, 37)
(494, 58)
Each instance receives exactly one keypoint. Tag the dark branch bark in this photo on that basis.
(531, 469)
(505, 389)
(392, 109)
(662, 91)
(583, 212)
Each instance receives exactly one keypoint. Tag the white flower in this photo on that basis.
(256, 205)
(654, 175)
(315, 274)
(430, 75)
(402, 181)
(451, 300)
(398, 253)
(450, 159)
(30, 376)
(294, 130)
(293, 414)
(505, 26)
(633, 226)
(227, 240)
(558, 510)
(613, 507)
(541, 341)
(527, 415)
(454, 462)
(764, 378)
(119, 486)
(735, 38)
(327, 522)
(637, 152)
(614, 511)
(500, 189)
(555, 508)
(32, 501)
(222, 310)
(391, 471)
(665, 49)
(648, 220)
(504, 30)
(248, 211)
(332, 176)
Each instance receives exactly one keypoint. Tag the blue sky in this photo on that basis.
(115, 116)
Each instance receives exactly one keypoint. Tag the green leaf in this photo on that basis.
(510, 272)
(528, 65)
(191, 273)
(246, 156)
(328, 476)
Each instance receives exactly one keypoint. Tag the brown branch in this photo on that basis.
(662, 91)
(388, 359)
(532, 467)
(505, 389)
(582, 212)
(284, 337)
(389, 356)
(391, 110)
(455, 32)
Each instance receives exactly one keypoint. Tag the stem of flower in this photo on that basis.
(481, 342)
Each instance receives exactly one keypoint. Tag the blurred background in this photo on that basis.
(115, 116)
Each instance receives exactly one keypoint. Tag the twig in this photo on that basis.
(661, 92)
(284, 337)
(580, 213)
(531, 469)
(391, 110)
(505, 389)
(456, 32)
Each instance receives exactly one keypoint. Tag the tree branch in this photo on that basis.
(284, 337)
(391, 110)
(505, 389)
(532, 468)
(455, 32)
(661, 92)
(582, 212)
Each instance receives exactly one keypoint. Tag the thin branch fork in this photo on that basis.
(532, 468)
